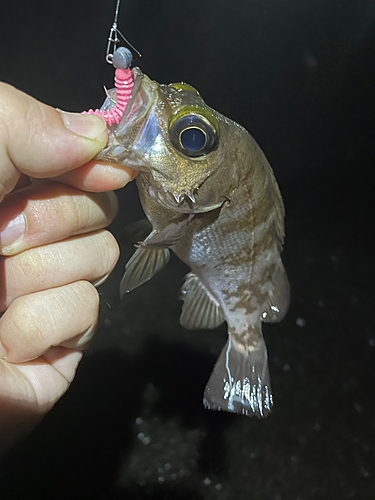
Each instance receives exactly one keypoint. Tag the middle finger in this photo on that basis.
(47, 212)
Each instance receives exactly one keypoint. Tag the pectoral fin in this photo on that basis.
(137, 231)
(144, 263)
(200, 309)
(168, 236)
(152, 254)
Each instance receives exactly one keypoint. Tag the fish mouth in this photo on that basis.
(186, 203)
(121, 136)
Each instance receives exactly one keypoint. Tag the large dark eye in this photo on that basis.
(193, 131)
(193, 139)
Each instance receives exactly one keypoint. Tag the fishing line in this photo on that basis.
(113, 39)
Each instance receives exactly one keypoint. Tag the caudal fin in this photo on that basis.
(240, 381)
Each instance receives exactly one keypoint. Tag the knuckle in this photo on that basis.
(25, 324)
(28, 266)
(84, 214)
(75, 213)
(6, 96)
(28, 117)
(35, 119)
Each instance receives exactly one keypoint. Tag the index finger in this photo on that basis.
(39, 141)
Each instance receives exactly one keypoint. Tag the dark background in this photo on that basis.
(299, 75)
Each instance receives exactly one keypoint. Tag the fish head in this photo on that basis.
(181, 145)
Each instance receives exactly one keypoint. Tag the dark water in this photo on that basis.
(300, 77)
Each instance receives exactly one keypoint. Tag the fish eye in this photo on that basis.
(193, 131)
(193, 139)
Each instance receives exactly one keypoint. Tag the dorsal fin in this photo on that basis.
(200, 309)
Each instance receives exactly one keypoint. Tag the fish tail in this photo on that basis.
(240, 381)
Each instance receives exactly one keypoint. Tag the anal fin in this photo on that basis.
(200, 309)
(240, 381)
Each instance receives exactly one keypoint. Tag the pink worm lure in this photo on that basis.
(123, 83)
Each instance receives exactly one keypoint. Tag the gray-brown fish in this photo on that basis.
(211, 197)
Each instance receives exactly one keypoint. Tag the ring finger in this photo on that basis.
(65, 315)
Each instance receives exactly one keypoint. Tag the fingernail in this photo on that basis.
(3, 352)
(12, 230)
(101, 280)
(89, 126)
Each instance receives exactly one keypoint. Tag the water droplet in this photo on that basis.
(300, 322)
(364, 472)
(358, 407)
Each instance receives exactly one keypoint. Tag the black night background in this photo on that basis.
(300, 77)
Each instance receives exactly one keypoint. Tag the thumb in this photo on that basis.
(39, 141)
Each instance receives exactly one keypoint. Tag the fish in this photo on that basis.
(211, 197)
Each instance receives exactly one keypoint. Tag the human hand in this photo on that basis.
(53, 251)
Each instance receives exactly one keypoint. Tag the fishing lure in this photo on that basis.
(210, 196)
(123, 86)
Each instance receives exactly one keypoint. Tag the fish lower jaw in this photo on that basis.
(202, 210)
(183, 203)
